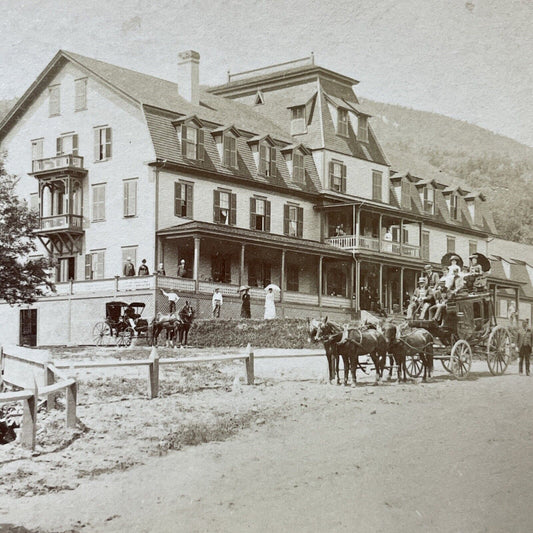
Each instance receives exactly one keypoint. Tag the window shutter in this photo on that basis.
(177, 199)
(331, 169)
(267, 216)
(300, 222)
(200, 145)
(273, 162)
(97, 144)
(126, 198)
(233, 209)
(108, 142)
(226, 150)
(343, 178)
(188, 193)
(75, 144)
(286, 219)
(252, 213)
(59, 146)
(216, 206)
(88, 266)
(233, 152)
(183, 140)
(262, 159)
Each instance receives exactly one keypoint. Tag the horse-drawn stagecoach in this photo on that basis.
(123, 321)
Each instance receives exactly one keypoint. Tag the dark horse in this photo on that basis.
(390, 332)
(413, 342)
(186, 317)
(329, 339)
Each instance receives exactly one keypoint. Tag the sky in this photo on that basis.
(467, 59)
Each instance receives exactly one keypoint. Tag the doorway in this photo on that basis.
(28, 327)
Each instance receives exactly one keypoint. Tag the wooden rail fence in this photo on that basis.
(30, 394)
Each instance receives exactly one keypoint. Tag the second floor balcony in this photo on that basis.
(50, 165)
(66, 222)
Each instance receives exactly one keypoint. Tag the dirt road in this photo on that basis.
(444, 456)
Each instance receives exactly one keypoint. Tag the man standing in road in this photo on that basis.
(217, 303)
(524, 343)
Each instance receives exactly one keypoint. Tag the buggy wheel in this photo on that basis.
(413, 365)
(125, 337)
(446, 365)
(101, 330)
(460, 360)
(498, 350)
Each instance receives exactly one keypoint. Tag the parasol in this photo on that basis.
(272, 286)
(482, 260)
(244, 288)
(446, 260)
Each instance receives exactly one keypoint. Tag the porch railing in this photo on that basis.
(60, 161)
(352, 243)
(300, 298)
(65, 221)
(410, 250)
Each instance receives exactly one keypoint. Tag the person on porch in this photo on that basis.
(143, 269)
(182, 270)
(129, 268)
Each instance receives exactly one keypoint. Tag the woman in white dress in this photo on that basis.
(270, 306)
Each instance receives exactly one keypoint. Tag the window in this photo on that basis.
(259, 274)
(453, 206)
(337, 176)
(225, 208)
(130, 198)
(425, 245)
(230, 151)
(267, 160)
(98, 202)
(429, 200)
(293, 220)
(131, 252)
(65, 270)
(450, 244)
(472, 247)
(94, 265)
(192, 142)
(67, 144)
(298, 166)
(221, 268)
(102, 143)
(80, 94)
(298, 122)
(377, 179)
(183, 199)
(362, 129)
(292, 277)
(259, 214)
(37, 149)
(54, 106)
(342, 122)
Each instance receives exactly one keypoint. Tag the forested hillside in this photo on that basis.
(432, 145)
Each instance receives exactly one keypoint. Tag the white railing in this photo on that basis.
(226, 289)
(65, 221)
(135, 283)
(335, 301)
(60, 161)
(93, 285)
(175, 284)
(345, 241)
(390, 247)
(300, 298)
(369, 243)
(410, 250)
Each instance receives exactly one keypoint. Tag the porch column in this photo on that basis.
(401, 289)
(357, 225)
(379, 239)
(401, 236)
(357, 285)
(351, 285)
(517, 302)
(380, 291)
(282, 276)
(196, 263)
(320, 261)
(241, 265)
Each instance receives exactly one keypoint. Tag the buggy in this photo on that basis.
(118, 324)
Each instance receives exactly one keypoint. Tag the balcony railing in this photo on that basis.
(58, 162)
(61, 222)
(353, 243)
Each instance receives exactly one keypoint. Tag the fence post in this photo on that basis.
(154, 374)
(249, 361)
(29, 419)
(49, 380)
(72, 396)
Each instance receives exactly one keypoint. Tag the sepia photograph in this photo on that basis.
(266, 266)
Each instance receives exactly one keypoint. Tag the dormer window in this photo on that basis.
(192, 142)
(267, 159)
(429, 200)
(298, 122)
(362, 128)
(230, 151)
(453, 206)
(342, 122)
(298, 166)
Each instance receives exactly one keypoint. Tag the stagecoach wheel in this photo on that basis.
(460, 360)
(413, 365)
(100, 331)
(498, 350)
(446, 362)
(125, 337)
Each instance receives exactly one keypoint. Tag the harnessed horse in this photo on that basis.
(186, 316)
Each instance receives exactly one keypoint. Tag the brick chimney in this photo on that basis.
(189, 76)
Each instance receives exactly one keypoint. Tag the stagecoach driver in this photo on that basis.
(432, 276)
(417, 298)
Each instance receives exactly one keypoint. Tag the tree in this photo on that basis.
(22, 279)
